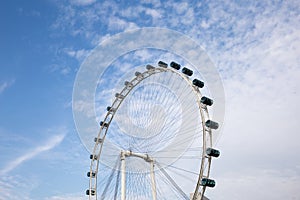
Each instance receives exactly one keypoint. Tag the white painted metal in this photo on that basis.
(198, 197)
(146, 157)
(153, 184)
(123, 176)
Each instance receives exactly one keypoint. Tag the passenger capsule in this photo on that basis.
(187, 71)
(104, 124)
(162, 64)
(150, 67)
(99, 140)
(139, 74)
(90, 192)
(212, 152)
(211, 124)
(93, 174)
(198, 83)
(109, 108)
(118, 95)
(128, 84)
(206, 101)
(175, 65)
(208, 182)
(93, 157)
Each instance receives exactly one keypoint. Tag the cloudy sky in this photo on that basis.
(254, 45)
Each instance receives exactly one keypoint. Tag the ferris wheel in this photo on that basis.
(155, 141)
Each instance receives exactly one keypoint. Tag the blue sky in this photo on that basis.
(254, 45)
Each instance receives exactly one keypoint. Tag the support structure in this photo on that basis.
(123, 176)
(146, 157)
(153, 184)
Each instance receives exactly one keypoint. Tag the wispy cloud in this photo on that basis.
(52, 142)
(67, 197)
(82, 2)
(8, 185)
(78, 54)
(247, 186)
(63, 70)
(6, 84)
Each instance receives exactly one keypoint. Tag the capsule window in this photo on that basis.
(99, 140)
(118, 95)
(211, 124)
(187, 71)
(206, 101)
(212, 152)
(198, 83)
(208, 182)
(93, 157)
(93, 174)
(150, 67)
(90, 192)
(103, 124)
(108, 108)
(139, 74)
(162, 64)
(175, 65)
(128, 84)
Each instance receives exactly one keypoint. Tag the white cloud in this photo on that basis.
(6, 84)
(100, 38)
(62, 69)
(67, 197)
(51, 143)
(80, 54)
(204, 24)
(82, 2)
(258, 184)
(181, 7)
(155, 3)
(65, 70)
(15, 187)
(260, 65)
(118, 24)
(66, 158)
(153, 13)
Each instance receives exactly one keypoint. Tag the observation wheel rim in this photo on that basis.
(129, 86)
